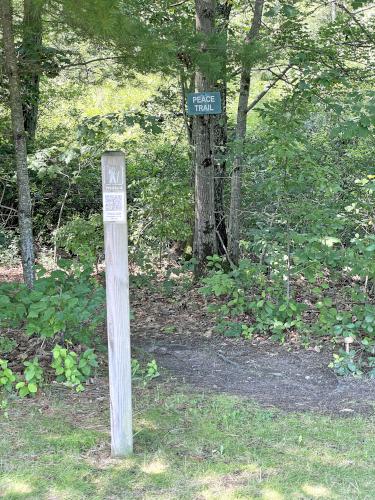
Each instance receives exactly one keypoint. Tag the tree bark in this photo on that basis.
(220, 135)
(188, 120)
(24, 198)
(235, 200)
(204, 227)
(31, 64)
(333, 10)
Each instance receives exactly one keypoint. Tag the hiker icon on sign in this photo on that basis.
(113, 175)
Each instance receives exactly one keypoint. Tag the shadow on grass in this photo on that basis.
(187, 446)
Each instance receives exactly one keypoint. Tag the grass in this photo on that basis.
(187, 446)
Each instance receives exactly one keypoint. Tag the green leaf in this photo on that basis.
(272, 12)
(24, 391)
(4, 300)
(33, 388)
(289, 10)
(29, 373)
(69, 362)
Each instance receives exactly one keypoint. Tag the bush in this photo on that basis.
(7, 377)
(33, 378)
(246, 291)
(323, 291)
(67, 302)
(83, 238)
(71, 369)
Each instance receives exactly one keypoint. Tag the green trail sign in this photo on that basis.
(204, 103)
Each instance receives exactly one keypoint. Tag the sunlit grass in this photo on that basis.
(187, 446)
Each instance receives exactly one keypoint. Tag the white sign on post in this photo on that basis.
(117, 292)
(113, 207)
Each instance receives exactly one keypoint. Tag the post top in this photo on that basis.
(113, 153)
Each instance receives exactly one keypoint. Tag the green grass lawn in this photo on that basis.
(187, 446)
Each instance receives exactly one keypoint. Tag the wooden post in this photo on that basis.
(117, 290)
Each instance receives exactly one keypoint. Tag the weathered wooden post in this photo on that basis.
(118, 312)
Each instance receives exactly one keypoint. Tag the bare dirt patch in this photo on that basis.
(179, 335)
(269, 374)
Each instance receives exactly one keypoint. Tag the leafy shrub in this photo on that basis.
(247, 331)
(146, 374)
(160, 213)
(87, 362)
(152, 370)
(229, 328)
(277, 316)
(245, 290)
(83, 238)
(345, 364)
(253, 297)
(135, 367)
(71, 369)
(7, 377)
(33, 378)
(66, 302)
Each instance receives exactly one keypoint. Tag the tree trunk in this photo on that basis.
(188, 120)
(24, 199)
(333, 10)
(235, 200)
(31, 64)
(220, 131)
(204, 228)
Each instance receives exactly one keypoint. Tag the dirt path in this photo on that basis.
(269, 374)
(179, 335)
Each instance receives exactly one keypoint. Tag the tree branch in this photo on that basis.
(267, 89)
(177, 4)
(360, 25)
(86, 63)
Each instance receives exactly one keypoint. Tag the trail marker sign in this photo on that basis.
(117, 294)
(204, 103)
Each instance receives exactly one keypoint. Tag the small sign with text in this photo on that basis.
(204, 103)
(113, 191)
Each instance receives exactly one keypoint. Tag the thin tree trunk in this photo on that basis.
(31, 64)
(235, 200)
(204, 228)
(24, 199)
(220, 136)
(188, 120)
(333, 10)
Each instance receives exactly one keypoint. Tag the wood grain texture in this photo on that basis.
(118, 315)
